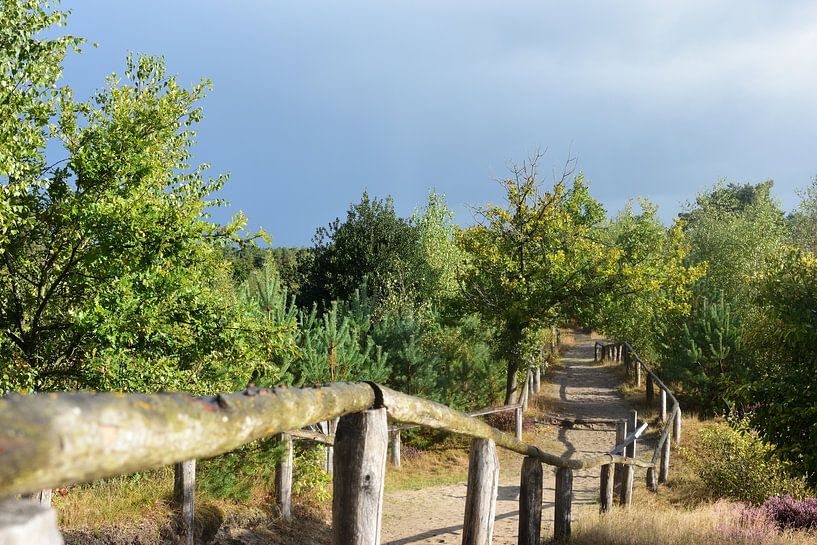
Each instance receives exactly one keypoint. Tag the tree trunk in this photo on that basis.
(514, 341)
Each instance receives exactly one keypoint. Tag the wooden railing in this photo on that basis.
(635, 367)
(56, 439)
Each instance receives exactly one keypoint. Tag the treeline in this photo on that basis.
(747, 347)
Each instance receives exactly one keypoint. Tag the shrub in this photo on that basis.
(736, 463)
(789, 513)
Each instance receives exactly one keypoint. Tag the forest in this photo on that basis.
(114, 277)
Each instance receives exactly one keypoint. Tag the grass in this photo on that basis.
(716, 523)
(684, 511)
(441, 466)
(127, 501)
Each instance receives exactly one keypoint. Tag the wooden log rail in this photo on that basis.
(658, 472)
(51, 440)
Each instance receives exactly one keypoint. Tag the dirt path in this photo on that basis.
(583, 390)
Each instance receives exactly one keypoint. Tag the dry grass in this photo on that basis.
(712, 523)
(126, 501)
(684, 511)
(448, 465)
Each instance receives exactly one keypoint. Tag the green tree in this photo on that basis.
(802, 222)
(655, 292)
(782, 337)
(734, 229)
(534, 260)
(112, 273)
(440, 256)
(373, 245)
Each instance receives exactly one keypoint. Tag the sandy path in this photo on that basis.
(584, 390)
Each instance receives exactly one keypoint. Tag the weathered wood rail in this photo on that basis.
(635, 368)
(56, 439)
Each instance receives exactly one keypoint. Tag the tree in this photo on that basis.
(782, 336)
(734, 229)
(536, 259)
(440, 256)
(654, 296)
(802, 222)
(112, 273)
(374, 246)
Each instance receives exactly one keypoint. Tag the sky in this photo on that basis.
(315, 102)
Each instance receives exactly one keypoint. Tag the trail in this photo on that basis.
(581, 389)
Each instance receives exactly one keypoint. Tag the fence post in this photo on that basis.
(621, 433)
(663, 405)
(395, 448)
(331, 428)
(637, 373)
(564, 503)
(652, 482)
(518, 422)
(537, 379)
(361, 443)
(606, 487)
(530, 502)
(525, 391)
(480, 498)
(676, 428)
(663, 473)
(27, 522)
(184, 493)
(627, 471)
(42, 497)
(650, 389)
(283, 478)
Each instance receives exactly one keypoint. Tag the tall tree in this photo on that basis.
(373, 245)
(535, 259)
(111, 271)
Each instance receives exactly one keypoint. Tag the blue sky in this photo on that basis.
(314, 102)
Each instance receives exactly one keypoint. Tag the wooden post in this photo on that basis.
(663, 405)
(395, 448)
(637, 373)
(628, 474)
(43, 497)
(27, 523)
(627, 471)
(184, 492)
(652, 482)
(632, 425)
(525, 391)
(621, 433)
(530, 502)
(650, 389)
(331, 428)
(606, 487)
(537, 379)
(663, 473)
(283, 478)
(564, 503)
(518, 421)
(361, 443)
(676, 427)
(480, 498)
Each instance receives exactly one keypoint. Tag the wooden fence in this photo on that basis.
(56, 439)
(636, 369)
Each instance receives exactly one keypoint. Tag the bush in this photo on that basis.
(735, 462)
(789, 513)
